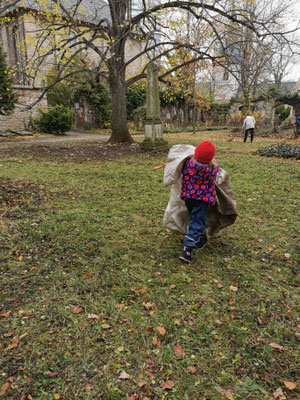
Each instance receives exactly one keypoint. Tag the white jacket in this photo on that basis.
(249, 122)
(176, 216)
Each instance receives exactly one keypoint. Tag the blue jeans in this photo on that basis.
(198, 213)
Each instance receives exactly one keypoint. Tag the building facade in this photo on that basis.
(20, 32)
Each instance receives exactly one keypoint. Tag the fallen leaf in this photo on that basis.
(167, 292)
(191, 369)
(119, 306)
(93, 316)
(13, 344)
(8, 334)
(156, 341)
(172, 286)
(77, 310)
(53, 374)
(161, 330)
(105, 326)
(228, 395)
(224, 319)
(150, 373)
(233, 288)
(142, 383)
(148, 306)
(4, 314)
(87, 388)
(4, 387)
(56, 396)
(167, 385)
(290, 385)
(133, 396)
(219, 285)
(124, 375)
(178, 350)
(288, 313)
(278, 393)
(276, 346)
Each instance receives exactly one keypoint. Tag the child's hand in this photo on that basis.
(160, 166)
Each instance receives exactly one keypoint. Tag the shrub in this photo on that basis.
(98, 96)
(57, 119)
(135, 99)
(284, 150)
(282, 113)
(8, 98)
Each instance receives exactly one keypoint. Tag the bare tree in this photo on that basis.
(74, 29)
(254, 57)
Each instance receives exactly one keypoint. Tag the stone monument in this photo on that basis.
(153, 125)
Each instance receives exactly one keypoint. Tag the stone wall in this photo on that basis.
(19, 120)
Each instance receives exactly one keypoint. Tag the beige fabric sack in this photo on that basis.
(176, 216)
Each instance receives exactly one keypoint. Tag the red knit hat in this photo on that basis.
(205, 152)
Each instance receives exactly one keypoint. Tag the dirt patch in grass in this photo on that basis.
(79, 152)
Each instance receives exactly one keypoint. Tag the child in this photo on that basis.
(198, 191)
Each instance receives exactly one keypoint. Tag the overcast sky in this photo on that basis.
(294, 75)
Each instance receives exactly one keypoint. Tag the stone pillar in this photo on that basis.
(153, 125)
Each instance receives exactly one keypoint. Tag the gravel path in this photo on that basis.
(70, 136)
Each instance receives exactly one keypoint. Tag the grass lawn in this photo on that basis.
(94, 303)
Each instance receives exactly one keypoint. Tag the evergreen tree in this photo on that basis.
(8, 97)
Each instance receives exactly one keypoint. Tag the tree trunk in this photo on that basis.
(120, 132)
(185, 112)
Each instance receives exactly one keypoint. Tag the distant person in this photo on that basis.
(248, 127)
(298, 123)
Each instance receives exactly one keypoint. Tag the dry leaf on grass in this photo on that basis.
(4, 388)
(5, 314)
(8, 334)
(276, 346)
(229, 395)
(77, 310)
(191, 369)
(92, 316)
(278, 393)
(13, 344)
(233, 288)
(124, 375)
(156, 341)
(148, 306)
(161, 330)
(133, 396)
(178, 350)
(167, 385)
(290, 385)
(142, 383)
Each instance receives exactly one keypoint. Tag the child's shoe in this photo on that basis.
(202, 243)
(186, 255)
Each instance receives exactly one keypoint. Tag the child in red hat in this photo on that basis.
(198, 191)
